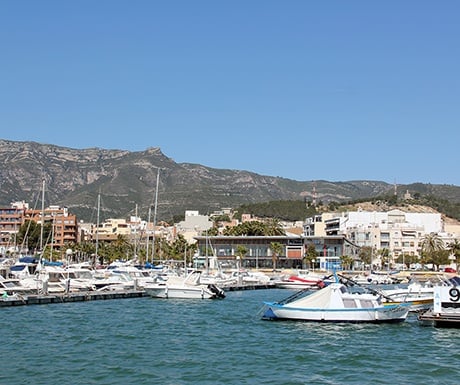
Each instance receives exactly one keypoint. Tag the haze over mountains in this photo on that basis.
(126, 182)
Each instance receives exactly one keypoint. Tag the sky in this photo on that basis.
(307, 90)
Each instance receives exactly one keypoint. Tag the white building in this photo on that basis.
(194, 224)
(395, 230)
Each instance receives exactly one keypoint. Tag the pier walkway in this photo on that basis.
(37, 299)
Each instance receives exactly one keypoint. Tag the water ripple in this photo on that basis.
(173, 342)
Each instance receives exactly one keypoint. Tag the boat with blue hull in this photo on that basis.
(335, 303)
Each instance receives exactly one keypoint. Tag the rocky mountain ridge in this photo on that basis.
(126, 182)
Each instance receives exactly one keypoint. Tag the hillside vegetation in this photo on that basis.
(299, 210)
(126, 183)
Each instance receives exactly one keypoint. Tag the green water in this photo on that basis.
(154, 341)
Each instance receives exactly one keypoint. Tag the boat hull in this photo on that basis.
(295, 285)
(388, 313)
(180, 292)
(415, 305)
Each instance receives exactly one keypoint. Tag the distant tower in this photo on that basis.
(396, 189)
(314, 194)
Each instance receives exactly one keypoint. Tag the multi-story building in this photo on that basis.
(194, 224)
(11, 219)
(399, 232)
(224, 249)
(63, 225)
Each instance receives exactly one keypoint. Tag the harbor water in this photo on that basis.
(174, 342)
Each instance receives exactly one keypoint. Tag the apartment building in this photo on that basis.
(194, 224)
(64, 225)
(11, 219)
(399, 232)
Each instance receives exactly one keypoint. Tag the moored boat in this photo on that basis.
(303, 279)
(297, 283)
(186, 288)
(335, 303)
(420, 296)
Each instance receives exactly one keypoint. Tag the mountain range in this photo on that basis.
(126, 183)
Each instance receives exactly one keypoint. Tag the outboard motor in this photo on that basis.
(216, 290)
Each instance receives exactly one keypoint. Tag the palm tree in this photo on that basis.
(365, 255)
(385, 257)
(346, 262)
(454, 248)
(29, 234)
(310, 254)
(241, 252)
(177, 248)
(273, 227)
(277, 249)
(431, 247)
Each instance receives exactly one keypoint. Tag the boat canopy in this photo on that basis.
(28, 259)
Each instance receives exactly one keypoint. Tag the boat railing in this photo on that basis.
(366, 288)
(293, 296)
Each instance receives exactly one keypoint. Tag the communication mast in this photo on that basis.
(314, 194)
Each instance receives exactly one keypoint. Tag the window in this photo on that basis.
(349, 303)
(365, 303)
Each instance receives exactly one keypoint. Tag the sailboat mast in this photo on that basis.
(42, 215)
(155, 214)
(97, 226)
(136, 229)
(147, 236)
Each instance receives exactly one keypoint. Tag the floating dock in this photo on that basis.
(42, 299)
(440, 320)
(17, 300)
(446, 308)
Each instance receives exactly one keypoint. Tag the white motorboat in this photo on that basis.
(180, 287)
(419, 295)
(244, 277)
(141, 277)
(373, 279)
(304, 279)
(335, 303)
(12, 286)
(109, 280)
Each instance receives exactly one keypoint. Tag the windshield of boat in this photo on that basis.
(9, 284)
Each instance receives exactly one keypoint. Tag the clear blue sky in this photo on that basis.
(335, 90)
